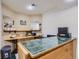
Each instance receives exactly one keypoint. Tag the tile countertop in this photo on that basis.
(38, 46)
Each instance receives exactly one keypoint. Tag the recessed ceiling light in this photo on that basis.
(31, 7)
(69, 0)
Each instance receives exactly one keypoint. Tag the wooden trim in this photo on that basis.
(21, 38)
(19, 30)
(16, 30)
(75, 49)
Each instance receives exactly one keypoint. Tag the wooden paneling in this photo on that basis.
(75, 56)
(64, 52)
(21, 37)
(22, 53)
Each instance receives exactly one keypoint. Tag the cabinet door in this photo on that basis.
(56, 54)
(69, 50)
(63, 52)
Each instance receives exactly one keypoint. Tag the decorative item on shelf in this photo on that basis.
(9, 25)
(40, 26)
(29, 34)
(33, 33)
(5, 24)
(12, 36)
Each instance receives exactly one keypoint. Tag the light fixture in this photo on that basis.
(31, 7)
(69, 0)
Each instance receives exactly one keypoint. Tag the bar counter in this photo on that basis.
(39, 47)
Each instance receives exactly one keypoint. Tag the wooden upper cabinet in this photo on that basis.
(63, 52)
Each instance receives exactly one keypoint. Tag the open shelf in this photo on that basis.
(19, 30)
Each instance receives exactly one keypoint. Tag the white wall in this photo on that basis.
(17, 17)
(0, 26)
(66, 18)
(37, 18)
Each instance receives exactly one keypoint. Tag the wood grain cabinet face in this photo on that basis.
(68, 51)
(63, 52)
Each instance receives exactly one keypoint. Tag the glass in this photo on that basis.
(40, 45)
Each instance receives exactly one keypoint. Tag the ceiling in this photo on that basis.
(42, 5)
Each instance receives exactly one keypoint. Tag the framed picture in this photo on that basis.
(22, 22)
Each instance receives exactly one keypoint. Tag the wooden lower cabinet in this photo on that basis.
(22, 53)
(63, 52)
